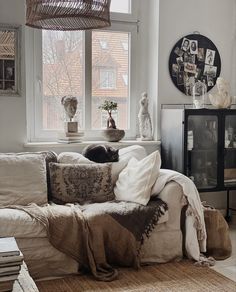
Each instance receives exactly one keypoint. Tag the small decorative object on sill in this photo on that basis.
(199, 94)
(111, 133)
(68, 14)
(145, 124)
(221, 99)
(71, 133)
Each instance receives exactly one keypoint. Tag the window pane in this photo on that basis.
(107, 78)
(121, 6)
(62, 75)
(110, 77)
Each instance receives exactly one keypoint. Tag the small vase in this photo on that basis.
(113, 135)
(199, 95)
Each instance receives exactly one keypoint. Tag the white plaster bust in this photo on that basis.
(145, 124)
(70, 106)
(221, 99)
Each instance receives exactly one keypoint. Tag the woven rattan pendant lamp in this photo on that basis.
(68, 14)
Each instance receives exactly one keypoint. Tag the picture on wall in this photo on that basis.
(7, 74)
(9, 60)
(194, 58)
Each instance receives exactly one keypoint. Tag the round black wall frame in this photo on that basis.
(194, 58)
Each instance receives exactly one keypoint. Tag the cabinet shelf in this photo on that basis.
(198, 168)
(201, 187)
(230, 182)
(230, 149)
(202, 150)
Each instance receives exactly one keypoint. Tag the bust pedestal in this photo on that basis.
(70, 133)
(71, 127)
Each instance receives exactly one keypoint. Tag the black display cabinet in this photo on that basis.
(201, 143)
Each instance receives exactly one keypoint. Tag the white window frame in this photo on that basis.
(104, 45)
(125, 78)
(127, 17)
(108, 84)
(125, 46)
(34, 66)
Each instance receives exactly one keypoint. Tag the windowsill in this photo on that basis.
(122, 143)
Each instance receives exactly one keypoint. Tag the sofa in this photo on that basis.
(164, 244)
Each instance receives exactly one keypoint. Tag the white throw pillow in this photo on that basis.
(137, 178)
(22, 179)
(125, 154)
(135, 151)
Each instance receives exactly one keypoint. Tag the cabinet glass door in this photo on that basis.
(202, 138)
(230, 151)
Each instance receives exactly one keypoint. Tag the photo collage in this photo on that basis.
(7, 74)
(194, 59)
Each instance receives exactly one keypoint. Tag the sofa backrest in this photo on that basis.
(69, 157)
(50, 156)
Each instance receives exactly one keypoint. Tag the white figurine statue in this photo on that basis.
(145, 124)
(221, 99)
(70, 106)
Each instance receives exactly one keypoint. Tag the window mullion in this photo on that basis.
(38, 78)
(88, 79)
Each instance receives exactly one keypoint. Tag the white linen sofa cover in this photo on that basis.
(43, 260)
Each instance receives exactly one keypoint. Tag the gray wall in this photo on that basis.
(13, 109)
(212, 18)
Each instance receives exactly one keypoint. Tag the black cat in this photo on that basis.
(101, 153)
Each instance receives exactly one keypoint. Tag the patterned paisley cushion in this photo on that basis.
(81, 183)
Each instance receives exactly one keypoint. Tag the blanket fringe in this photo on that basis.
(153, 222)
(198, 225)
(205, 261)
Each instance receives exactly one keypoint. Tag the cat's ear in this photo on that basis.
(62, 100)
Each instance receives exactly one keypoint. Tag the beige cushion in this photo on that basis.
(22, 179)
(81, 183)
(137, 178)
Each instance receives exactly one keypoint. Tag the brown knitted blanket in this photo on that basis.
(99, 235)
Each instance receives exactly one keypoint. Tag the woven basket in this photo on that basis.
(68, 14)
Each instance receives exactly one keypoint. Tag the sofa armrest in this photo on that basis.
(173, 195)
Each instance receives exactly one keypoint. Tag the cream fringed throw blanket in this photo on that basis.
(195, 241)
(99, 235)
